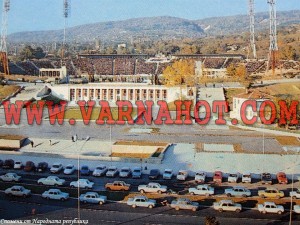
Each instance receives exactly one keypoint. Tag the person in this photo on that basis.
(31, 144)
(50, 142)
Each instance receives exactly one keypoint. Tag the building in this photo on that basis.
(113, 92)
(51, 73)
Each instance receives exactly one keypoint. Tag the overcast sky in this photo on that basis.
(31, 15)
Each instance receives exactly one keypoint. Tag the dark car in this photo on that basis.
(154, 174)
(29, 166)
(1, 163)
(42, 167)
(266, 178)
(8, 164)
(85, 170)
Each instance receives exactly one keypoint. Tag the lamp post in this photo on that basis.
(75, 138)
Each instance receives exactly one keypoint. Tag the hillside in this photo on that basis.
(157, 28)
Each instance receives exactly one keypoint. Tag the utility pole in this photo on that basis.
(252, 30)
(66, 12)
(3, 46)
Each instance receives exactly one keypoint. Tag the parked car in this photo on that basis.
(238, 192)
(51, 180)
(10, 177)
(93, 197)
(182, 175)
(202, 189)
(1, 163)
(154, 174)
(56, 168)
(246, 178)
(270, 193)
(100, 171)
(55, 194)
(29, 166)
(152, 188)
(168, 174)
(227, 205)
(117, 186)
(17, 191)
(141, 201)
(112, 171)
(42, 167)
(266, 178)
(84, 171)
(137, 172)
(200, 177)
(281, 177)
(70, 169)
(295, 194)
(233, 178)
(184, 203)
(83, 183)
(125, 172)
(18, 165)
(270, 207)
(8, 164)
(297, 209)
(217, 178)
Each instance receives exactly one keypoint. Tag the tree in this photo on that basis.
(231, 70)
(180, 72)
(27, 52)
(38, 53)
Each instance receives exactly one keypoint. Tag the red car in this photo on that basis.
(217, 178)
(281, 177)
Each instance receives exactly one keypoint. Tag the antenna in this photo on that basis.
(252, 32)
(3, 46)
(273, 36)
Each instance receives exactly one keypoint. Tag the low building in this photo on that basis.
(113, 92)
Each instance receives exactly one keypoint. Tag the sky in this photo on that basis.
(33, 15)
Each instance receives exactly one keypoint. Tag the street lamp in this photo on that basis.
(75, 139)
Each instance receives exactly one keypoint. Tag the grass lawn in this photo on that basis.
(7, 90)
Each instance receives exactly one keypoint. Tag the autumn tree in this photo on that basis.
(180, 72)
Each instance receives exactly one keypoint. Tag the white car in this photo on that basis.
(203, 189)
(233, 178)
(70, 169)
(10, 177)
(100, 171)
(93, 197)
(55, 194)
(200, 177)
(246, 178)
(83, 183)
(152, 188)
(141, 201)
(17, 191)
(51, 180)
(125, 172)
(295, 194)
(18, 165)
(238, 192)
(297, 209)
(182, 175)
(112, 171)
(270, 207)
(227, 205)
(168, 174)
(56, 168)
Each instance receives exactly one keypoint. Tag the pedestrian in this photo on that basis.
(73, 138)
(31, 144)
(50, 142)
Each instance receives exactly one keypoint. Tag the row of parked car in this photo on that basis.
(143, 201)
(113, 171)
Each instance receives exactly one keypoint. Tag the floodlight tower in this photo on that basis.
(252, 32)
(3, 47)
(66, 12)
(273, 49)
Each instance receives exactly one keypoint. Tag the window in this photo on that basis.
(84, 92)
(98, 94)
(72, 94)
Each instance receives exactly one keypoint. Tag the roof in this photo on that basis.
(270, 203)
(227, 201)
